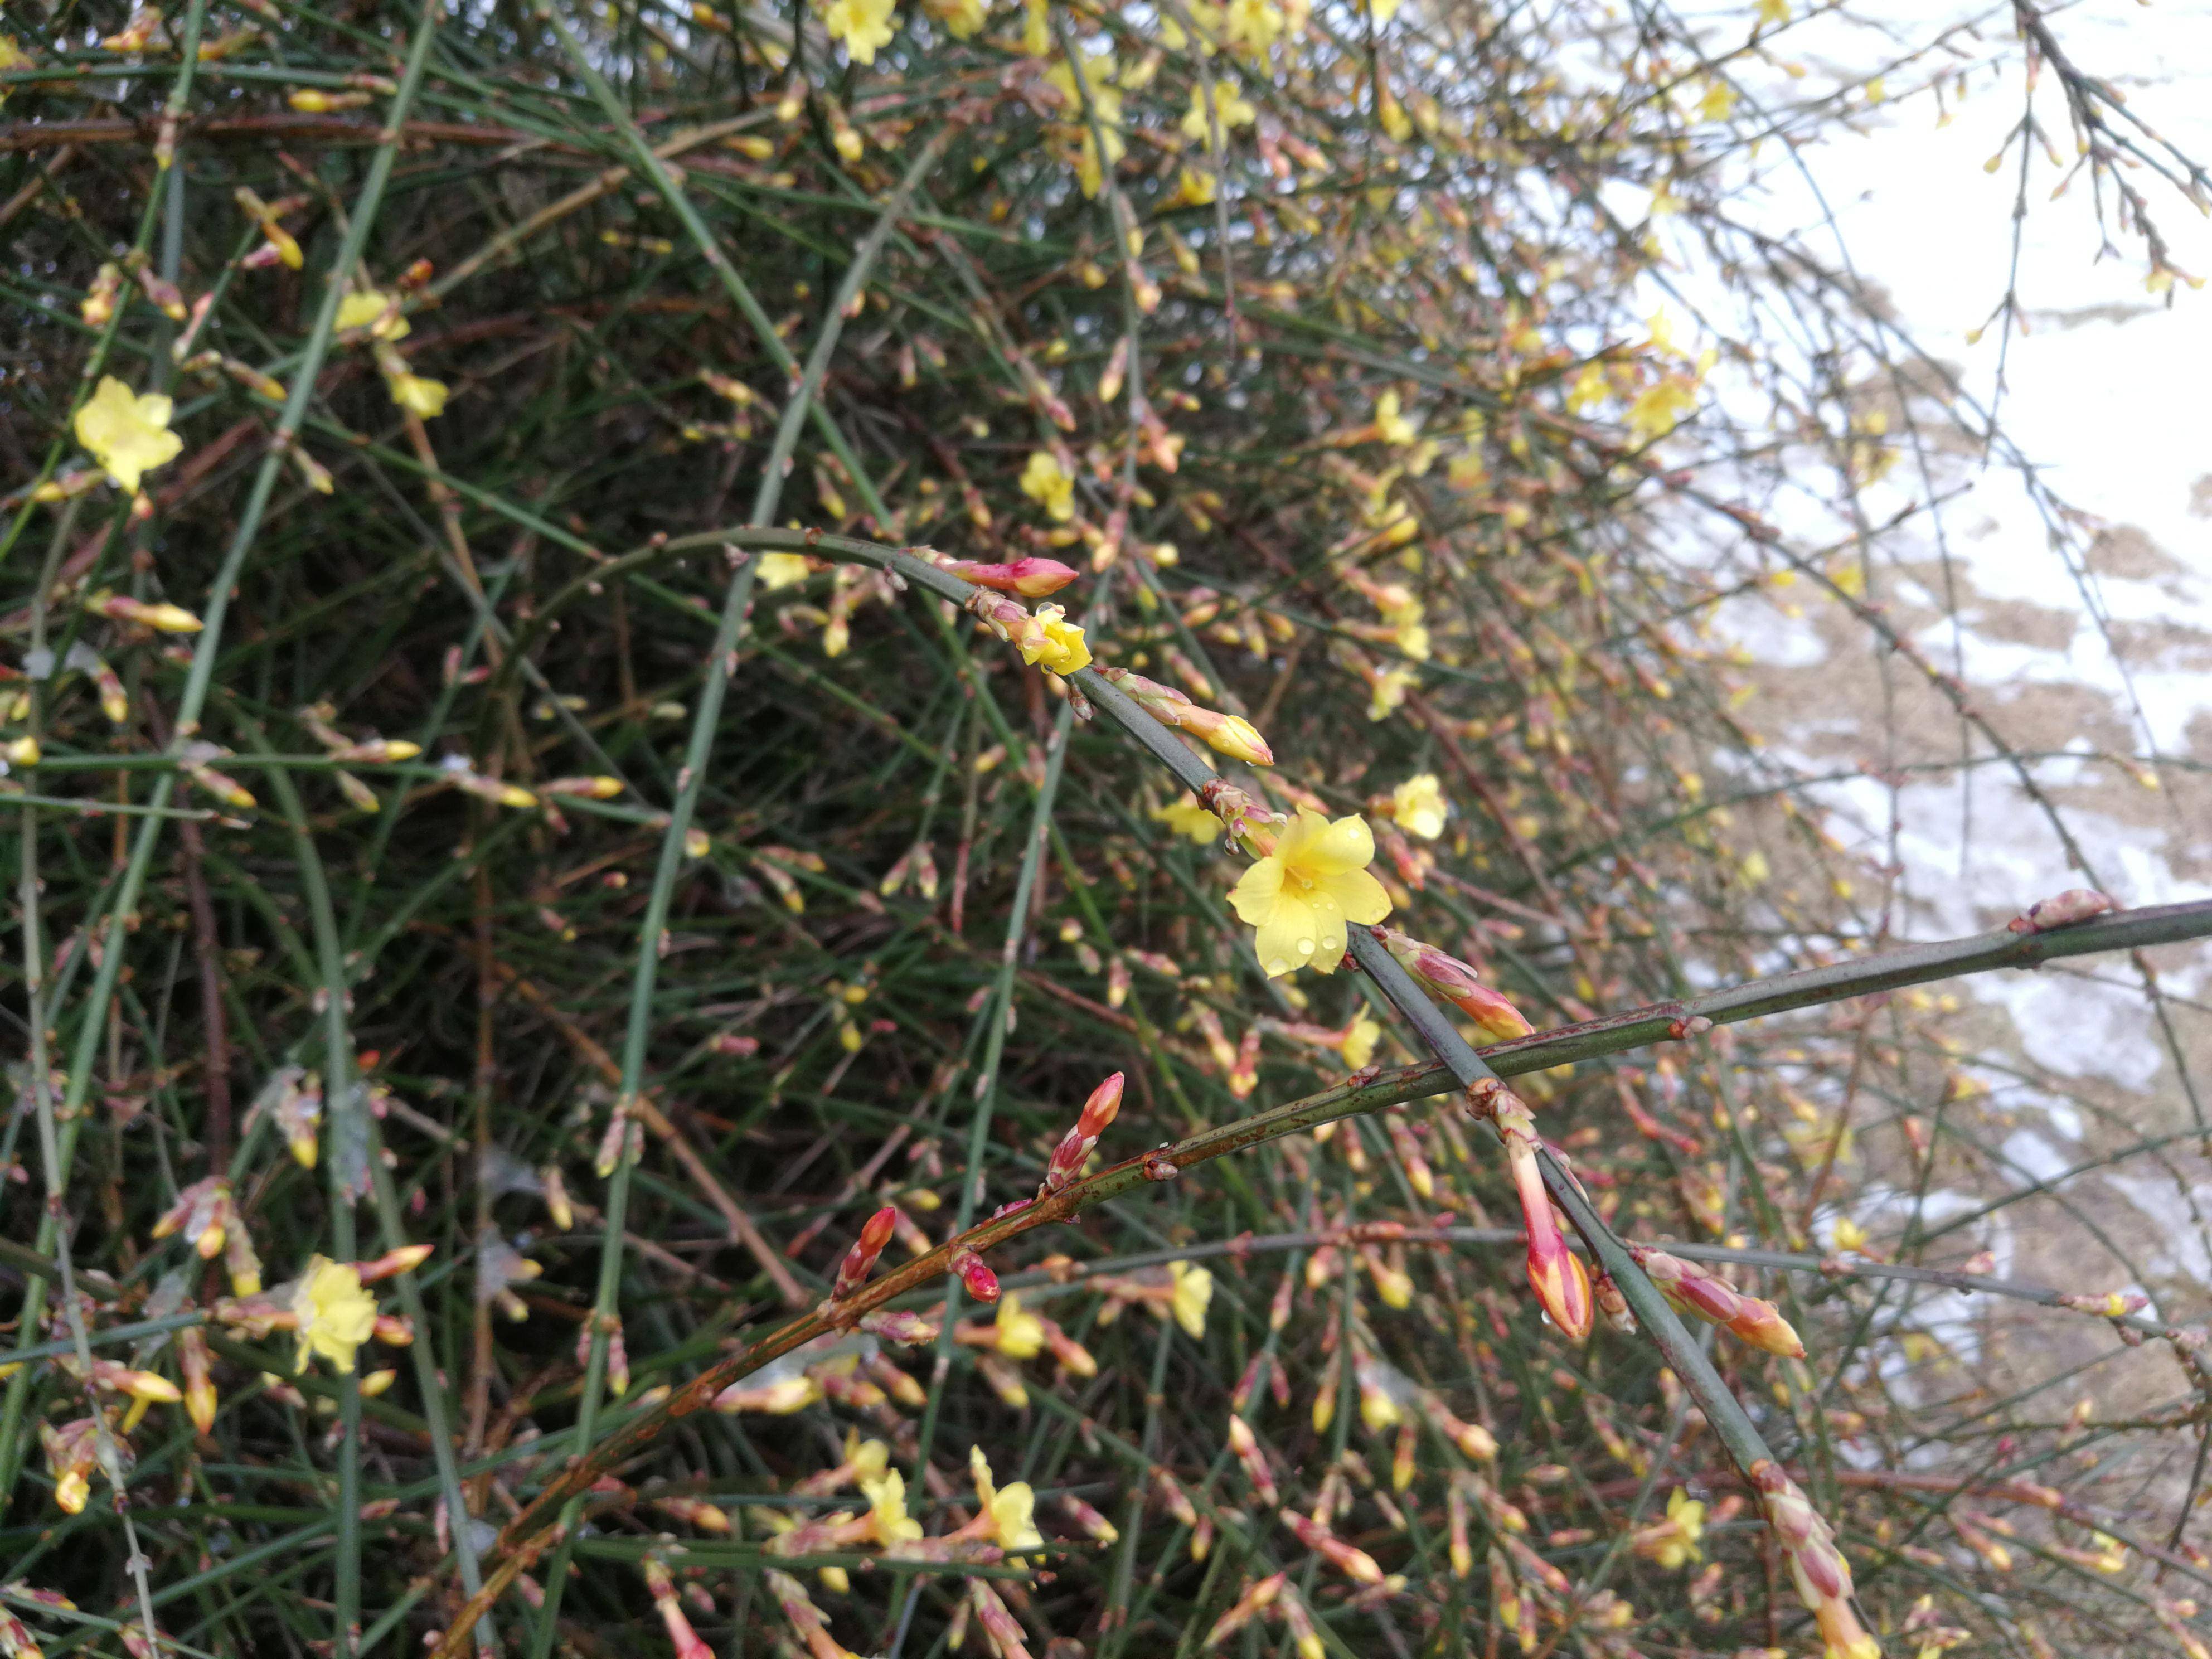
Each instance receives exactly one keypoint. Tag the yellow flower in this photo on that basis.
(1043, 482)
(868, 1458)
(1773, 11)
(1390, 426)
(886, 1496)
(1389, 691)
(127, 433)
(962, 19)
(782, 569)
(1687, 1517)
(1848, 1235)
(1301, 894)
(862, 25)
(1021, 1335)
(12, 57)
(419, 394)
(336, 1314)
(1658, 409)
(1253, 25)
(1418, 803)
(1063, 651)
(1193, 1291)
(1011, 1509)
(1188, 818)
(1230, 111)
(1359, 1045)
(366, 306)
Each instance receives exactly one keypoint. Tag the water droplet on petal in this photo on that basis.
(1277, 965)
(1305, 947)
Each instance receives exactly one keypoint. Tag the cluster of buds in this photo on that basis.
(1276, 1597)
(1497, 1019)
(1045, 637)
(1693, 1291)
(918, 865)
(1822, 1576)
(1555, 1272)
(1032, 577)
(1075, 1148)
(348, 751)
(206, 1213)
(115, 702)
(72, 1451)
(806, 1620)
(1228, 735)
(2076, 904)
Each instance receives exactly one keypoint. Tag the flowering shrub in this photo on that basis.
(711, 718)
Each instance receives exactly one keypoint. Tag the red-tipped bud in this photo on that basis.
(1074, 1149)
(1031, 578)
(976, 1277)
(1355, 1563)
(1495, 1018)
(860, 1261)
(1555, 1272)
(1692, 1291)
(1823, 1577)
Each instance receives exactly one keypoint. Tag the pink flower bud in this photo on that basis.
(1031, 578)
(1075, 1148)
(2076, 904)
(860, 1261)
(1692, 1291)
(1497, 1019)
(976, 1277)
(1555, 1272)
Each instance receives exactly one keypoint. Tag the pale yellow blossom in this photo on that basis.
(1418, 805)
(128, 433)
(1193, 1293)
(1300, 896)
(1188, 818)
(863, 25)
(336, 1314)
(1045, 483)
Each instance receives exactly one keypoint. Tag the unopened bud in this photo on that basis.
(163, 619)
(976, 1277)
(860, 1261)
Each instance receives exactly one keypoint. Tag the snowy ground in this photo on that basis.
(2104, 392)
